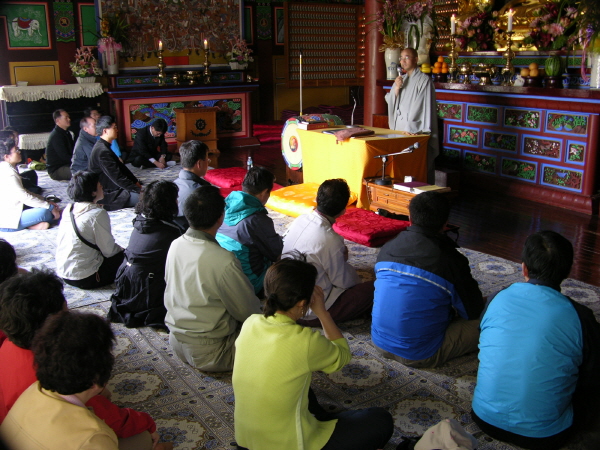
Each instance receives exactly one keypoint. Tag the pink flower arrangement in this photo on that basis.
(240, 52)
(554, 26)
(477, 32)
(388, 22)
(109, 46)
(85, 65)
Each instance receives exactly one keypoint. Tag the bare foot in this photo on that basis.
(39, 226)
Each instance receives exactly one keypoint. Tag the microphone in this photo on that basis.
(352, 117)
(406, 150)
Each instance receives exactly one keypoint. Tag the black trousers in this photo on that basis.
(360, 429)
(106, 274)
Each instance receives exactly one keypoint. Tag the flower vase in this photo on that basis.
(83, 80)
(594, 58)
(112, 61)
(237, 66)
(418, 35)
(392, 57)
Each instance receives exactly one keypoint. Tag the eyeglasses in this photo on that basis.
(406, 58)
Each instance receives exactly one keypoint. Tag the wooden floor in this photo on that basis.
(495, 225)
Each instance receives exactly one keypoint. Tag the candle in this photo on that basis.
(510, 20)
(160, 46)
(453, 24)
(205, 44)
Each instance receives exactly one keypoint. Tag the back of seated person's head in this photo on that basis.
(332, 197)
(11, 129)
(82, 186)
(8, 261)
(26, 300)
(160, 125)
(548, 257)
(258, 179)
(288, 281)
(429, 210)
(103, 123)
(72, 352)
(6, 147)
(159, 200)
(56, 114)
(6, 135)
(191, 152)
(204, 207)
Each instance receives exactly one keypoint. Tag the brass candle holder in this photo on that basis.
(453, 67)
(508, 70)
(161, 69)
(206, 74)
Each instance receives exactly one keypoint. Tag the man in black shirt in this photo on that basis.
(59, 149)
(149, 146)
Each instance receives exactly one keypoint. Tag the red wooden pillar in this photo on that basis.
(374, 64)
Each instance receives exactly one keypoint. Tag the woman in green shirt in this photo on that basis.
(274, 361)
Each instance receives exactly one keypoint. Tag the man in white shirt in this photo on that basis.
(312, 234)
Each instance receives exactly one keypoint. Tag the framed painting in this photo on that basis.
(279, 27)
(248, 25)
(27, 25)
(87, 24)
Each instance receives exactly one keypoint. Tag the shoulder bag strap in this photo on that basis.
(81, 238)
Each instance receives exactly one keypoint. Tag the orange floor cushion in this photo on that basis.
(298, 199)
(367, 228)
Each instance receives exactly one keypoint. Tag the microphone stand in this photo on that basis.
(383, 181)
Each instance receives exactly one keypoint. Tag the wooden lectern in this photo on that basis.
(198, 124)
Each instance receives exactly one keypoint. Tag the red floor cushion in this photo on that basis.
(226, 178)
(225, 191)
(367, 228)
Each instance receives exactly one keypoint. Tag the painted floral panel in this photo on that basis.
(519, 169)
(576, 152)
(541, 147)
(482, 163)
(500, 141)
(563, 178)
(522, 118)
(450, 111)
(485, 114)
(467, 136)
(567, 123)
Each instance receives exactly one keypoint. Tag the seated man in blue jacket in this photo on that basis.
(427, 304)
(247, 230)
(539, 354)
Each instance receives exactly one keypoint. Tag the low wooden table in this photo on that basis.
(386, 197)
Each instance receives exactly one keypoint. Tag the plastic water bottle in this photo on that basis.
(249, 163)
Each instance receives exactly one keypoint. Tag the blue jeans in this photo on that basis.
(33, 216)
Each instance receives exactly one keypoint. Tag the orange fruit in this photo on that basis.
(525, 72)
(437, 65)
(435, 70)
(440, 59)
(534, 72)
(444, 65)
(445, 69)
(533, 66)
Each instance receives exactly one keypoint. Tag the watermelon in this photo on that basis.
(553, 66)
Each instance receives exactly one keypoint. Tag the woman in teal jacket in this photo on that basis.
(274, 361)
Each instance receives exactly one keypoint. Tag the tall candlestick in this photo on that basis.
(160, 46)
(300, 81)
(510, 20)
(205, 44)
(453, 24)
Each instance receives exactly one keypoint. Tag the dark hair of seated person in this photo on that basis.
(159, 201)
(8, 261)
(6, 135)
(160, 125)
(258, 179)
(191, 152)
(6, 147)
(548, 257)
(87, 112)
(288, 281)
(73, 351)
(26, 300)
(429, 210)
(82, 186)
(103, 123)
(204, 207)
(56, 114)
(333, 196)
